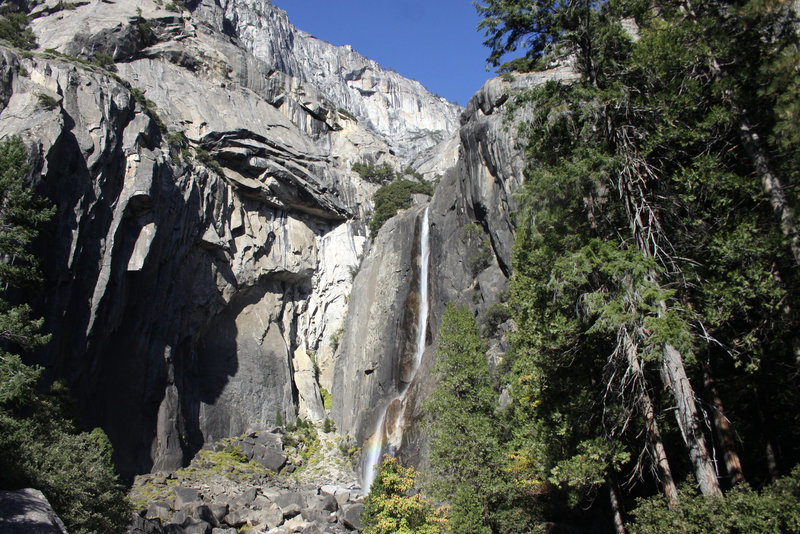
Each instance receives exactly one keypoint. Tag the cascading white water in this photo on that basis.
(376, 443)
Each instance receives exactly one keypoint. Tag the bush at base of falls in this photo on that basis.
(390, 507)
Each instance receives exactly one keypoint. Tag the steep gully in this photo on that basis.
(390, 437)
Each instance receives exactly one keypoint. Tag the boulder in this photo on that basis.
(350, 515)
(141, 525)
(269, 457)
(185, 497)
(219, 511)
(236, 517)
(323, 502)
(203, 512)
(195, 526)
(270, 517)
(27, 511)
(289, 498)
(158, 510)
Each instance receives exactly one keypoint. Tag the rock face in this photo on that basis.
(471, 236)
(399, 109)
(209, 270)
(27, 511)
(208, 223)
(377, 344)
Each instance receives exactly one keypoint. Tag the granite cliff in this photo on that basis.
(209, 268)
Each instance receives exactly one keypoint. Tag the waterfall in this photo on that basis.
(380, 438)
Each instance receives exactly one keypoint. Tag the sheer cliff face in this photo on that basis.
(400, 110)
(209, 226)
(197, 270)
(470, 211)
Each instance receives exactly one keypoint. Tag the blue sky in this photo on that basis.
(433, 41)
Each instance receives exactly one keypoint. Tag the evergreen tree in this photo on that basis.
(465, 433)
(656, 242)
(39, 444)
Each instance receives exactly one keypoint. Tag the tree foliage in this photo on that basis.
(655, 271)
(392, 197)
(393, 505)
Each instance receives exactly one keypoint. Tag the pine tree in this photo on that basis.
(465, 454)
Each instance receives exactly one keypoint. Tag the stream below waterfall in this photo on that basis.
(389, 439)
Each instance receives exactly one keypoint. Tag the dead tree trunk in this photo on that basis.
(616, 507)
(733, 464)
(688, 418)
(653, 433)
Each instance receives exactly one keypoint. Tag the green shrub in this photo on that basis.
(328, 426)
(494, 316)
(391, 198)
(235, 452)
(105, 61)
(774, 510)
(208, 160)
(149, 107)
(347, 114)
(14, 29)
(177, 7)
(327, 398)
(376, 174)
(336, 337)
(278, 418)
(46, 102)
(395, 506)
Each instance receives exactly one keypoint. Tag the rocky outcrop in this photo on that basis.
(27, 511)
(400, 110)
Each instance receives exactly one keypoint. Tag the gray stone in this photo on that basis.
(317, 516)
(270, 517)
(195, 526)
(27, 511)
(291, 498)
(246, 498)
(269, 457)
(290, 509)
(204, 513)
(236, 517)
(186, 497)
(350, 515)
(323, 502)
(159, 509)
(219, 511)
(342, 497)
(140, 525)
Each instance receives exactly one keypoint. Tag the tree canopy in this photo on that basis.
(655, 272)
